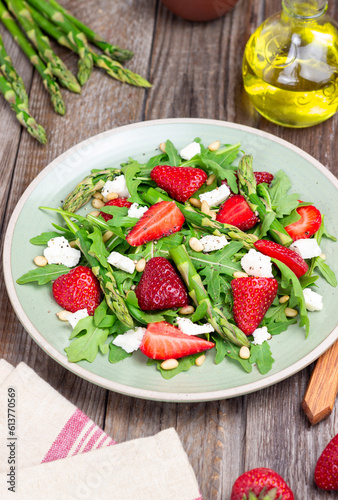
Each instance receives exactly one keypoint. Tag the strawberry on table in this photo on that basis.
(252, 298)
(289, 257)
(160, 286)
(118, 202)
(261, 483)
(308, 224)
(78, 289)
(179, 182)
(164, 341)
(326, 471)
(162, 219)
(236, 211)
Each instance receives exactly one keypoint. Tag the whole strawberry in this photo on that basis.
(118, 202)
(179, 182)
(79, 289)
(160, 286)
(326, 471)
(261, 484)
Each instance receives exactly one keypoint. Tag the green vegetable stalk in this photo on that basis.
(9, 72)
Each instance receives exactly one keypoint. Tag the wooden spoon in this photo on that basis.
(322, 390)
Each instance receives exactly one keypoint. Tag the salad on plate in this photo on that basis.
(191, 254)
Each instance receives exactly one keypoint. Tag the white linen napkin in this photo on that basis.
(50, 442)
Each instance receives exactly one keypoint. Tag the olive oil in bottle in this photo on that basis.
(290, 65)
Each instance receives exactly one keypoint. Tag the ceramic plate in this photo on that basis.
(36, 308)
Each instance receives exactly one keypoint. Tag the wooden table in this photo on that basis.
(196, 72)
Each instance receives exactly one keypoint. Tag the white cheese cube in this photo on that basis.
(190, 151)
(306, 248)
(313, 301)
(211, 242)
(189, 328)
(74, 318)
(60, 252)
(131, 340)
(256, 264)
(121, 262)
(260, 335)
(118, 186)
(136, 211)
(216, 196)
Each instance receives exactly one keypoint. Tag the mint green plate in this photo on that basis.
(36, 308)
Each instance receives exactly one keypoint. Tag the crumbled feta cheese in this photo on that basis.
(211, 242)
(74, 318)
(256, 264)
(189, 328)
(216, 196)
(59, 251)
(260, 335)
(306, 248)
(313, 301)
(118, 186)
(122, 262)
(131, 340)
(136, 211)
(190, 151)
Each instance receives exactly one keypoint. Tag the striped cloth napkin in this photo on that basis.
(43, 445)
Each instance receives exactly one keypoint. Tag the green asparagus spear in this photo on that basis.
(9, 72)
(113, 51)
(21, 111)
(73, 34)
(247, 187)
(45, 73)
(199, 295)
(42, 44)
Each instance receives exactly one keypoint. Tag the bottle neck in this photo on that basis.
(308, 9)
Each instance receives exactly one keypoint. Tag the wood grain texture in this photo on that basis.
(196, 72)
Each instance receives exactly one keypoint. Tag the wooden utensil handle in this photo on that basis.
(322, 390)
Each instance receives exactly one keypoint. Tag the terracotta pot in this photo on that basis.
(199, 10)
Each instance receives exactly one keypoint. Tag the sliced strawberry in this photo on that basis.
(237, 212)
(160, 286)
(162, 219)
(165, 341)
(118, 202)
(326, 476)
(308, 224)
(261, 483)
(290, 258)
(252, 298)
(179, 182)
(79, 289)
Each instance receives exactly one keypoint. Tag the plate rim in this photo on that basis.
(116, 386)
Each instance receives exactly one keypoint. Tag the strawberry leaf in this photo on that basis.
(86, 345)
(43, 275)
(261, 355)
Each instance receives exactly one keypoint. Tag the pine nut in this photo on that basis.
(169, 364)
(205, 207)
(98, 196)
(140, 265)
(195, 245)
(112, 196)
(323, 256)
(214, 146)
(107, 235)
(200, 360)
(97, 203)
(186, 310)
(73, 244)
(94, 213)
(244, 352)
(213, 215)
(290, 313)
(239, 274)
(63, 315)
(195, 202)
(210, 179)
(284, 299)
(40, 261)
(162, 147)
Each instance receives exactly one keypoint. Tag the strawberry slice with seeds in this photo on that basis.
(179, 182)
(160, 287)
(237, 212)
(162, 219)
(252, 298)
(164, 341)
(118, 202)
(261, 483)
(290, 258)
(326, 476)
(308, 224)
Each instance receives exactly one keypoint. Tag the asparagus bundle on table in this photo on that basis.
(9, 72)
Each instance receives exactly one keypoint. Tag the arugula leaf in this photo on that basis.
(100, 312)
(97, 248)
(200, 312)
(43, 238)
(322, 231)
(281, 202)
(275, 327)
(225, 348)
(290, 219)
(43, 275)
(174, 159)
(130, 170)
(326, 272)
(267, 221)
(261, 355)
(117, 354)
(120, 216)
(183, 365)
(86, 345)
